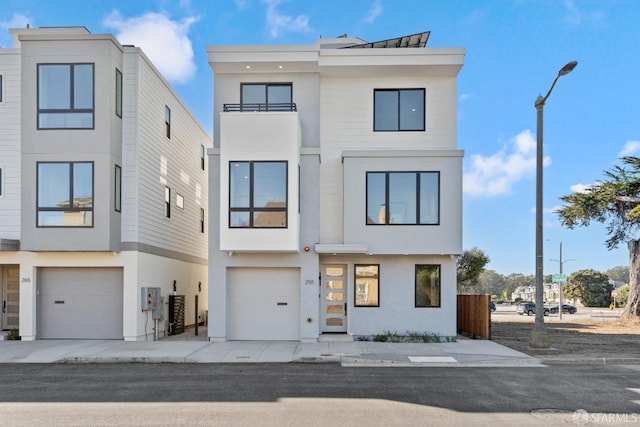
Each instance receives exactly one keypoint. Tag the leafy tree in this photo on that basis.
(623, 296)
(590, 286)
(492, 283)
(516, 280)
(618, 274)
(616, 202)
(470, 264)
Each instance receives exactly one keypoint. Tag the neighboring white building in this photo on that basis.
(103, 188)
(335, 189)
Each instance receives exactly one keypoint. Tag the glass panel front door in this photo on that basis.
(334, 298)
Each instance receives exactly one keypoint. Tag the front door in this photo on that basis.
(334, 298)
(10, 297)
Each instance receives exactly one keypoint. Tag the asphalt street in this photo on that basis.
(232, 394)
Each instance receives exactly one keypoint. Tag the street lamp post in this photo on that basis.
(539, 337)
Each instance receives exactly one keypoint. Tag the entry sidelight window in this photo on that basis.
(65, 194)
(427, 286)
(258, 194)
(367, 285)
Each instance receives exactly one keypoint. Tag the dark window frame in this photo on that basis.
(439, 286)
(202, 156)
(399, 111)
(355, 285)
(72, 108)
(1, 181)
(202, 220)
(117, 202)
(1, 89)
(388, 215)
(118, 93)
(251, 209)
(267, 105)
(71, 195)
(167, 201)
(167, 121)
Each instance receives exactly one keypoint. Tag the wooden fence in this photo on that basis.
(474, 315)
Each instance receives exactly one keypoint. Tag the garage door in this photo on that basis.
(80, 303)
(264, 304)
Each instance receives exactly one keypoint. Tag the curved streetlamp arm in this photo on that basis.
(564, 70)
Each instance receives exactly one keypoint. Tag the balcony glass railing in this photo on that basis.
(284, 106)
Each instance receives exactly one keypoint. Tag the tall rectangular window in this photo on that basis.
(367, 285)
(118, 93)
(167, 121)
(397, 110)
(202, 220)
(167, 202)
(117, 203)
(258, 194)
(1, 181)
(1, 89)
(409, 198)
(202, 156)
(266, 97)
(65, 194)
(427, 289)
(65, 96)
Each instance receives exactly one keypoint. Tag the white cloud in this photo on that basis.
(496, 174)
(630, 148)
(576, 16)
(580, 188)
(18, 20)
(278, 23)
(465, 96)
(374, 11)
(164, 41)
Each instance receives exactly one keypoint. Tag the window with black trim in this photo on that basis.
(167, 202)
(403, 198)
(202, 157)
(65, 96)
(202, 220)
(117, 203)
(118, 93)
(1, 181)
(64, 194)
(397, 110)
(367, 285)
(167, 121)
(266, 97)
(258, 194)
(1, 89)
(427, 289)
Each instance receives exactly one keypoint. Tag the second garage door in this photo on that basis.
(264, 304)
(80, 303)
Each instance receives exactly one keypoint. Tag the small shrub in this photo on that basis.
(13, 335)
(380, 338)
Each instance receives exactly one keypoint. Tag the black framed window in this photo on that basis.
(266, 96)
(64, 194)
(118, 93)
(258, 194)
(396, 110)
(403, 198)
(1, 89)
(65, 96)
(367, 285)
(1, 181)
(167, 121)
(167, 202)
(117, 202)
(202, 220)
(202, 157)
(427, 289)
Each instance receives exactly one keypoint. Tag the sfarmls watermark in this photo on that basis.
(582, 417)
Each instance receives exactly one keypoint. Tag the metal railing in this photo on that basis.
(283, 106)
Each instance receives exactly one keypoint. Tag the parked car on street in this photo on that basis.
(492, 306)
(566, 308)
(529, 308)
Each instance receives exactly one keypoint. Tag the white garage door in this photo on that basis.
(264, 304)
(80, 303)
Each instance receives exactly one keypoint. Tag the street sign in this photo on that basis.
(614, 293)
(559, 278)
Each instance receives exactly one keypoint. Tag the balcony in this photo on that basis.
(270, 107)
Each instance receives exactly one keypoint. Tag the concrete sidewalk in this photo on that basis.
(462, 353)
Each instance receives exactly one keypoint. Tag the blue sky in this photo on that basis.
(514, 50)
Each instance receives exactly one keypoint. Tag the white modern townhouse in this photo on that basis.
(103, 190)
(335, 189)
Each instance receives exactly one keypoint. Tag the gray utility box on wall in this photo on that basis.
(150, 299)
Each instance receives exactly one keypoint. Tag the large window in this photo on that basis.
(403, 198)
(367, 285)
(118, 93)
(427, 286)
(258, 194)
(65, 194)
(65, 96)
(266, 97)
(398, 110)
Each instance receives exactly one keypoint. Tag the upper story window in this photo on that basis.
(167, 202)
(118, 93)
(65, 194)
(65, 96)
(266, 97)
(403, 198)
(397, 110)
(167, 121)
(1, 181)
(1, 89)
(258, 194)
(117, 203)
(202, 157)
